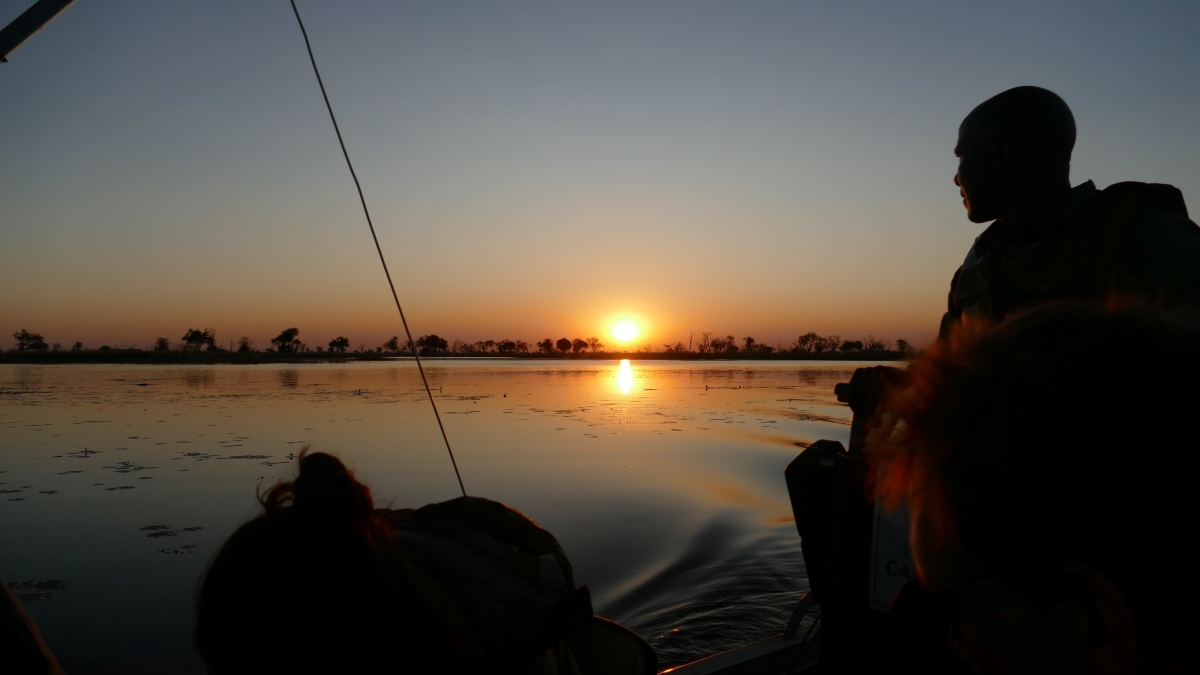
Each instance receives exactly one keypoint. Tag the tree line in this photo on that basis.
(288, 342)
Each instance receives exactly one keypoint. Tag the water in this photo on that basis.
(663, 481)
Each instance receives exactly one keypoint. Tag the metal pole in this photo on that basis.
(31, 21)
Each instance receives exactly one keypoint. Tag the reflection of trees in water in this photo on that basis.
(199, 378)
(814, 377)
(757, 377)
(288, 378)
(28, 377)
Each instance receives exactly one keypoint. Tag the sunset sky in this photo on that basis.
(540, 169)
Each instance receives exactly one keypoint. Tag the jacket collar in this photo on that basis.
(997, 235)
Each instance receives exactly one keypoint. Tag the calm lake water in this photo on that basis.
(663, 481)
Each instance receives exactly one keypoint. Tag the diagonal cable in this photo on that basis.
(411, 344)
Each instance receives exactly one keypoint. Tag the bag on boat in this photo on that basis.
(501, 593)
(496, 584)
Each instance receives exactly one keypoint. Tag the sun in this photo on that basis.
(625, 331)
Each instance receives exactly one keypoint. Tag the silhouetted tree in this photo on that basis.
(594, 344)
(852, 346)
(751, 345)
(546, 346)
(245, 345)
(77, 347)
(287, 342)
(829, 343)
(578, 345)
(431, 344)
(194, 338)
(162, 345)
(522, 347)
(340, 344)
(807, 342)
(506, 346)
(30, 342)
(392, 345)
(563, 345)
(720, 345)
(874, 344)
(903, 346)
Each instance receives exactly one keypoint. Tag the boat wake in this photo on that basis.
(724, 589)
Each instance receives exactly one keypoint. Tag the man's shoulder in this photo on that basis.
(987, 240)
(973, 257)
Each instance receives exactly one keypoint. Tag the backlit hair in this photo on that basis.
(1064, 433)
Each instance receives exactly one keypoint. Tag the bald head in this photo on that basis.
(1017, 141)
(1035, 122)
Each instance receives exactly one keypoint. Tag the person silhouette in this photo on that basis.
(321, 581)
(1051, 241)
(1047, 242)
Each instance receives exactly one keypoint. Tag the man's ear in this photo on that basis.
(1107, 626)
(1001, 154)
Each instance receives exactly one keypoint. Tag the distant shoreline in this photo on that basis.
(198, 358)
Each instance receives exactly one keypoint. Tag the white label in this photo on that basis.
(891, 557)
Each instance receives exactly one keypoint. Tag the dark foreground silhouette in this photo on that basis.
(1052, 488)
(324, 582)
(22, 651)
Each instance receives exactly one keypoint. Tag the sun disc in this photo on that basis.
(625, 331)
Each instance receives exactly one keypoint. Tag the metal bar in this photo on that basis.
(31, 21)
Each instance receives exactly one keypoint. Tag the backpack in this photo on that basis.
(499, 591)
(1106, 248)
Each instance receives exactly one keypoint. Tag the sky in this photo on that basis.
(540, 169)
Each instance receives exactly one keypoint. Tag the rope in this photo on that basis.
(411, 344)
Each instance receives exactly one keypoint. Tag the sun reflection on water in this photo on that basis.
(625, 377)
